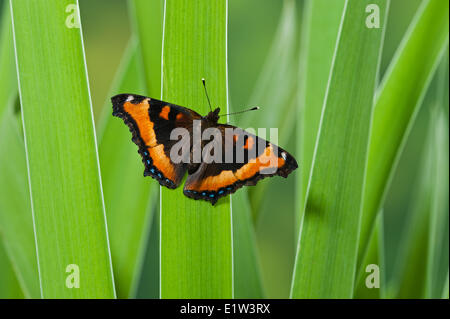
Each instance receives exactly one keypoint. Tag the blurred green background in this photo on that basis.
(252, 32)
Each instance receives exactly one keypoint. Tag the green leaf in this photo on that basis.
(445, 290)
(247, 270)
(10, 288)
(129, 197)
(148, 19)
(375, 256)
(329, 236)
(275, 89)
(410, 267)
(16, 228)
(320, 30)
(437, 261)
(247, 278)
(149, 282)
(196, 242)
(438, 242)
(8, 86)
(65, 186)
(398, 101)
(16, 224)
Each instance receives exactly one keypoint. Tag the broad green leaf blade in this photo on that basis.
(329, 236)
(129, 197)
(65, 186)
(398, 100)
(196, 238)
(321, 24)
(247, 270)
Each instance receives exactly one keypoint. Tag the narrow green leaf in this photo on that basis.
(398, 101)
(8, 86)
(16, 227)
(329, 236)
(438, 232)
(320, 29)
(65, 187)
(421, 244)
(409, 274)
(374, 257)
(196, 242)
(149, 283)
(148, 18)
(247, 270)
(445, 291)
(129, 197)
(275, 89)
(10, 288)
(438, 243)
(16, 224)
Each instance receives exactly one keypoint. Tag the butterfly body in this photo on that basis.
(237, 159)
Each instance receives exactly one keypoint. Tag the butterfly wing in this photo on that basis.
(151, 121)
(246, 159)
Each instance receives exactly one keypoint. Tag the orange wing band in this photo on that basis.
(139, 113)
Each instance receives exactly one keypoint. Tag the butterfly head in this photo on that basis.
(213, 116)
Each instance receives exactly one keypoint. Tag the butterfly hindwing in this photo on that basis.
(151, 121)
(246, 159)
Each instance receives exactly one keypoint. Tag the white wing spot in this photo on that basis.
(283, 155)
(130, 98)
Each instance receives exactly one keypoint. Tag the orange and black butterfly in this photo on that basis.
(239, 159)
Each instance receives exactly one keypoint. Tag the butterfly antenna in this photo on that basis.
(206, 92)
(251, 109)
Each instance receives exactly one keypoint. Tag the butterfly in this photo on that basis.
(241, 158)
